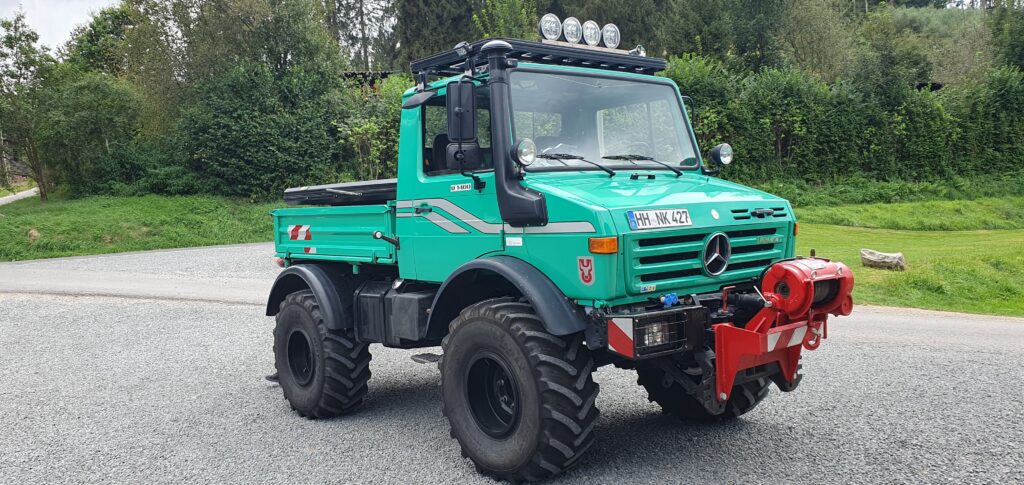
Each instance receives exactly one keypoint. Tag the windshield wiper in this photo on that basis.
(561, 157)
(632, 157)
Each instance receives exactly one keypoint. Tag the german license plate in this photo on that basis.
(657, 219)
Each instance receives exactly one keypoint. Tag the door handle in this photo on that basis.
(423, 209)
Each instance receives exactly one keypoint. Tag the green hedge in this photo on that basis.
(786, 125)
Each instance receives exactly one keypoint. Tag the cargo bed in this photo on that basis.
(348, 193)
(335, 233)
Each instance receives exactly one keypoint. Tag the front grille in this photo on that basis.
(672, 261)
(761, 213)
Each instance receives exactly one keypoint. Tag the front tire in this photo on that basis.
(520, 401)
(322, 372)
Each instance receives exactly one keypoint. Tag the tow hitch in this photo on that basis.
(798, 295)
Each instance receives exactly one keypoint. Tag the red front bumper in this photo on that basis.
(799, 294)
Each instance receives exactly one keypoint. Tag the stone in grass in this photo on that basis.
(876, 259)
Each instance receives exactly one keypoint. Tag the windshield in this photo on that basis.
(571, 116)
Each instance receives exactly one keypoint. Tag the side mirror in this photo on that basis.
(464, 156)
(721, 155)
(461, 100)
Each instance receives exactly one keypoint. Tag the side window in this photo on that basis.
(435, 133)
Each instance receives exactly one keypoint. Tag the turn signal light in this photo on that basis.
(604, 245)
(796, 228)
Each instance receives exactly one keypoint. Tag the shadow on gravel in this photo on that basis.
(653, 446)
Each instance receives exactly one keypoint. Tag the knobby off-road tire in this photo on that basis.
(550, 422)
(322, 372)
(674, 400)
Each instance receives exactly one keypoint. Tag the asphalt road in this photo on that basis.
(7, 199)
(138, 386)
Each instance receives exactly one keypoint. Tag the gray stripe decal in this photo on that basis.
(445, 223)
(464, 216)
(560, 228)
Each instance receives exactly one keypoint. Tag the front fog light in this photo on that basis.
(655, 334)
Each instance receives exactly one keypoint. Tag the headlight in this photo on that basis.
(591, 33)
(610, 33)
(573, 30)
(550, 26)
(526, 152)
(726, 154)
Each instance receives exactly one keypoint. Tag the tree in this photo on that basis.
(23, 68)
(426, 27)
(360, 25)
(86, 116)
(890, 61)
(1007, 23)
(756, 31)
(816, 36)
(100, 44)
(506, 18)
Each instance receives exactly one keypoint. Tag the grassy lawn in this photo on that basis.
(943, 215)
(98, 225)
(967, 270)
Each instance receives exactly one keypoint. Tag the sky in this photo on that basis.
(53, 19)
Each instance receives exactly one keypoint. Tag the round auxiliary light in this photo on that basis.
(572, 29)
(526, 152)
(591, 33)
(550, 26)
(725, 153)
(610, 34)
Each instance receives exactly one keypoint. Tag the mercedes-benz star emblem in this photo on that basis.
(716, 254)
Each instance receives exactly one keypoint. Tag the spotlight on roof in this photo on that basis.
(550, 26)
(591, 33)
(572, 29)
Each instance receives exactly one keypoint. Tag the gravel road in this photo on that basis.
(7, 199)
(144, 388)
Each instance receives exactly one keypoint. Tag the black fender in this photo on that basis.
(559, 315)
(312, 277)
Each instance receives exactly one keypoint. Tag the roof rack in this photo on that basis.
(465, 58)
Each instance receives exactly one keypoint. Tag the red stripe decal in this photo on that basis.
(619, 341)
(309, 235)
(783, 341)
(293, 232)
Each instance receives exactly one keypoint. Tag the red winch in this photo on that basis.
(799, 294)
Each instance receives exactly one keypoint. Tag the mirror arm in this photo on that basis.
(478, 183)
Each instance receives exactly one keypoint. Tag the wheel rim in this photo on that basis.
(493, 395)
(300, 357)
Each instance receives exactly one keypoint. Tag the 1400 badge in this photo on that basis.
(657, 219)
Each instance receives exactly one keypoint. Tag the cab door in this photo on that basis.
(442, 218)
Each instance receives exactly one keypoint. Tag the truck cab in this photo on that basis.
(552, 213)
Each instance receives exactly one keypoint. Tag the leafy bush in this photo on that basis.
(253, 134)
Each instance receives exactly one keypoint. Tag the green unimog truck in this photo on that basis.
(552, 214)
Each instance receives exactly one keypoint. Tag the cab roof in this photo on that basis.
(466, 57)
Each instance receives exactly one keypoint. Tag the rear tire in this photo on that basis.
(322, 372)
(520, 401)
(674, 399)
